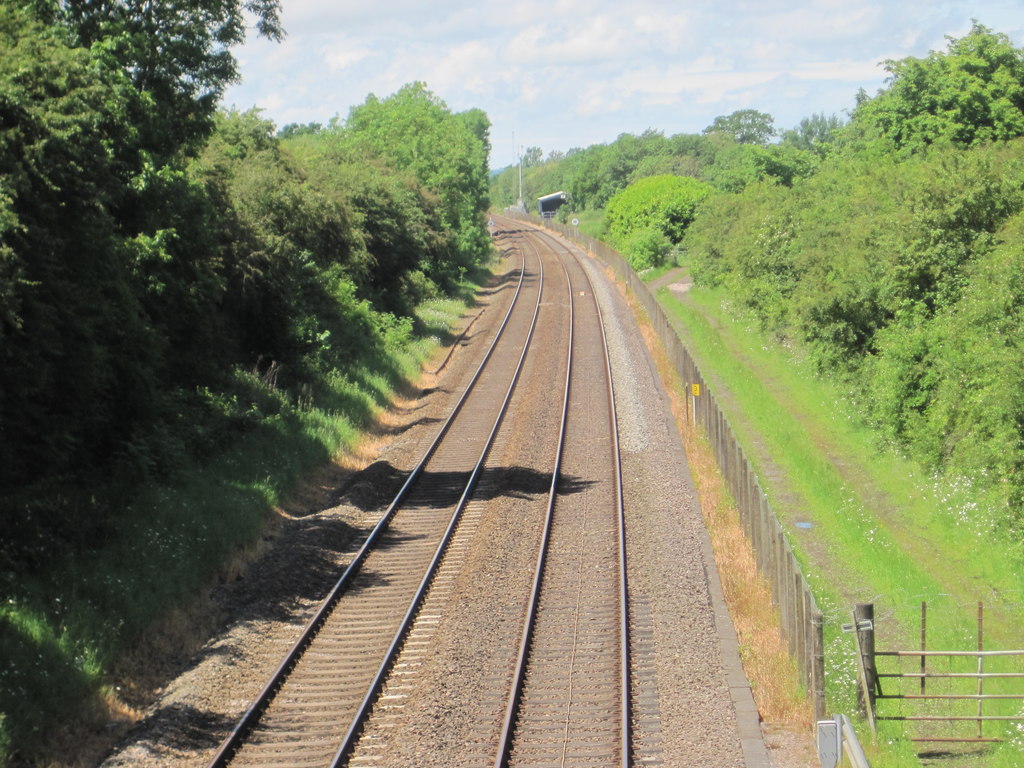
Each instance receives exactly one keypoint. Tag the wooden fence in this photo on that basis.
(802, 621)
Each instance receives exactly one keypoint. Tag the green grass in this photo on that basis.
(591, 222)
(881, 530)
(63, 625)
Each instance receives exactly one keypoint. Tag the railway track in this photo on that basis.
(550, 675)
(570, 700)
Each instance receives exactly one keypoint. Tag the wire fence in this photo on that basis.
(802, 621)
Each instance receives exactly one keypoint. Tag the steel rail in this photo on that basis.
(625, 724)
(626, 728)
(235, 739)
(505, 743)
(377, 684)
(519, 675)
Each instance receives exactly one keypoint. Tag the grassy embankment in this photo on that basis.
(67, 625)
(873, 527)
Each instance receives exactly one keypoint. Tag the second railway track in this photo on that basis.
(344, 701)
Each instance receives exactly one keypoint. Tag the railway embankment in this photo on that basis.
(866, 525)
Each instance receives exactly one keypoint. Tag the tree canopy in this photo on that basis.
(653, 210)
(971, 93)
(745, 126)
(413, 130)
(176, 54)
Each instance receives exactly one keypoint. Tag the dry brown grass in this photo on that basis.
(773, 675)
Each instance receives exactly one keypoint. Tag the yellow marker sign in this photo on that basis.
(696, 390)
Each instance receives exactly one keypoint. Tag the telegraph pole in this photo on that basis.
(519, 160)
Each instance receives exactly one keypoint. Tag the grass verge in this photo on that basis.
(873, 527)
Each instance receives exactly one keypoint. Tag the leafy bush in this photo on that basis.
(662, 205)
(969, 94)
(647, 248)
(903, 276)
(180, 289)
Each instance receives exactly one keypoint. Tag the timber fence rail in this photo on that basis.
(802, 621)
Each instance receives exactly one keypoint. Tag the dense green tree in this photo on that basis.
(76, 357)
(532, 156)
(659, 207)
(900, 274)
(815, 133)
(973, 92)
(744, 126)
(175, 53)
(291, 130)
(734, 166)
(413, 130)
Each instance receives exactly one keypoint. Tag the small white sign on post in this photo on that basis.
(830, 743)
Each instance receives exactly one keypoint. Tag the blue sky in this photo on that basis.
(570, 73)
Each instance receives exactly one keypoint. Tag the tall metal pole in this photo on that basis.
(521, 180)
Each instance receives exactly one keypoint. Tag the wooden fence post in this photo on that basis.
(864, 633)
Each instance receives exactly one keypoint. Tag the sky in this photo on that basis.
(559, 74)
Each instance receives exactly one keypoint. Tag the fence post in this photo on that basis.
(864, 634)
(818, 686)
(800, 598)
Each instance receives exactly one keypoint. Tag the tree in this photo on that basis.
(652, 211)
(292, 130)
(814, 133)
(414, 131)
(532, 156)
(737, 165)
(76, 355)
(745, 126)
(972, 93)
(175, 52)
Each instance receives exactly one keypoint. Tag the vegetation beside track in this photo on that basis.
(74, 629)
(874, 526)
(858, 299)
(194, 310)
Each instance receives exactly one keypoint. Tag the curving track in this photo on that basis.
(533, 621)
(570, 704)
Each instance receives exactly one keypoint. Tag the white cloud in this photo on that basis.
(340, 57)
(570, 72)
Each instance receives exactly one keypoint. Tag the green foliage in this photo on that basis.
(666, 204)
(176, 54)
(413, 131)
(75, 352)
(816, 133)
(744, 126)
(646, 247)
(592, 176)
(825, 464)
(737, 165)
(178, 287)
(901, 275)
(971, 93)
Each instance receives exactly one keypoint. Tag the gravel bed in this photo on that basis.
(688, 717)
(264, 611)
(668, 573)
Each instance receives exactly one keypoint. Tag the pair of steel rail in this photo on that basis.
(234, 742)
